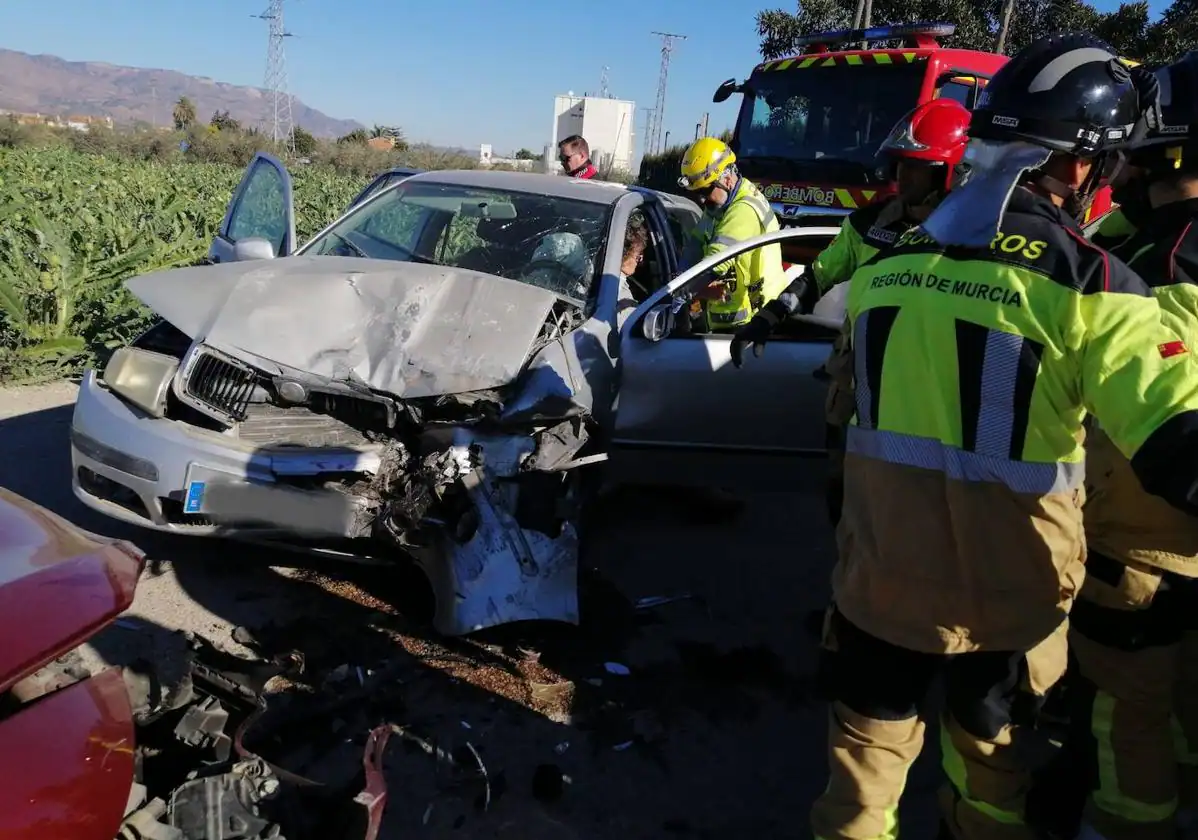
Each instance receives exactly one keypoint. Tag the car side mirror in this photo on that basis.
(253, 248)
(658, 322)
(726, 89)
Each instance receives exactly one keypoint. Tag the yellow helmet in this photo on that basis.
(704, 162)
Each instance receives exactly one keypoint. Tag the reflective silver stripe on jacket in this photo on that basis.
(756, 200)
(930, 454)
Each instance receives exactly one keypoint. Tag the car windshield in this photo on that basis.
(541, 240)
(839, 114)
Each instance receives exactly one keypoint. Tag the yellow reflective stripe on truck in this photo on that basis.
(838, 59)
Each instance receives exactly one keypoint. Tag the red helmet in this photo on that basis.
(935, 132)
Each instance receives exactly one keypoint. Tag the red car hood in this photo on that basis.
(59, 585)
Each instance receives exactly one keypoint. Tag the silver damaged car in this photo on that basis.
(433, 376)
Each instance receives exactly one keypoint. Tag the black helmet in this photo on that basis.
(1068, 93)
(1169, 144)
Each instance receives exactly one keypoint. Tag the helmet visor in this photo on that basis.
(902, 140)
(970, 214)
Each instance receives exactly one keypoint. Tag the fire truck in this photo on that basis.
(811, 126)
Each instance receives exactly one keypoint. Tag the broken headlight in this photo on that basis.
(141, 377)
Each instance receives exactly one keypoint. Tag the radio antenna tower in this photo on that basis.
(604, 91)
(648, 129)
(279, 113)
(667, 47)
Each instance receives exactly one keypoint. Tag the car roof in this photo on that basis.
(554, 186)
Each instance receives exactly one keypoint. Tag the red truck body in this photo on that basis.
(811, 126)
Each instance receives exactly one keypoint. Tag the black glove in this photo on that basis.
(756, 332)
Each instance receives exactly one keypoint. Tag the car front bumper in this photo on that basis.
(137, 468)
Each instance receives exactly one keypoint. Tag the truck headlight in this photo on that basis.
(141, 377)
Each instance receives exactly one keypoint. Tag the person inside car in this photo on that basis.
(636, 240)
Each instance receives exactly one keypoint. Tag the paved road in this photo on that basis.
(729, 742)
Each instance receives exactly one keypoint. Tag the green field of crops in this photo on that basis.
(74, 226)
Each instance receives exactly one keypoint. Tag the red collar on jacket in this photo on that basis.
(587, 171)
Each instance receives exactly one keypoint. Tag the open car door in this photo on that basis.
(686, 415)
(262, 212)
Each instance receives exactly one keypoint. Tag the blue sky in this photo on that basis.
(459, 73)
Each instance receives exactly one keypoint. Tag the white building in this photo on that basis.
(608, 125)
(487, 159)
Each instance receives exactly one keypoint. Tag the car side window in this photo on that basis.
(682, 224)
(650, 273)
(373, 187)
(260, 210)
(959, 91)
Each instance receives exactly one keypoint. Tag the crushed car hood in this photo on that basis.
(410, 329)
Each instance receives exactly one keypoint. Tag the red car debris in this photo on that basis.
(72, 763)
(68, 764)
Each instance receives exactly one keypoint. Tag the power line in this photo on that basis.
(278, 116)
(659, 109)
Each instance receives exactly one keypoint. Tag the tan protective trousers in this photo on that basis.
(1137, 648)
(875, 733)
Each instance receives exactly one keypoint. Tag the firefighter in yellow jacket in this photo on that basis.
(1134, 628)
(981, 340)
(734, 210)
(925, 148)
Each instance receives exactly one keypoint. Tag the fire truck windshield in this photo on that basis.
(797, 123)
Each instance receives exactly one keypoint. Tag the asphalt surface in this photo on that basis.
(713, 733)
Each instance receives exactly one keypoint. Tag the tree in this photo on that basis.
(303, 141)
(527, 154)
(1128, 28)
(357, 136)
(221, 121)
(391, 131)
(184, 114)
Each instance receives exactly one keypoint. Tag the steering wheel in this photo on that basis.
(569, 280)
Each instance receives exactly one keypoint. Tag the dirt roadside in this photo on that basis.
(712, 732)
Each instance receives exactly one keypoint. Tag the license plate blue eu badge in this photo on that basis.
(194, 501)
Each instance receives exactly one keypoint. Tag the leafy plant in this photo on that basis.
(74, 227)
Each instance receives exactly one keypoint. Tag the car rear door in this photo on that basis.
(686, 415)
(262, 207)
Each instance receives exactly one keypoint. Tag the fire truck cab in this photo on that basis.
(811, 126)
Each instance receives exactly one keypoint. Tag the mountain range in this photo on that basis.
(46, 84)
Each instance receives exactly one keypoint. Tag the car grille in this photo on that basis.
(219, 384)
(369, 414)
(271, 425)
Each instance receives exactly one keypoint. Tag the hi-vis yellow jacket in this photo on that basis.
(1114, 231)
(757, 275)
(1123, 522)
(865, 232)
(975, 368)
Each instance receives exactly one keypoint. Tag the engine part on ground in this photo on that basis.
(224, 807)
(145, 824)
(202, 726)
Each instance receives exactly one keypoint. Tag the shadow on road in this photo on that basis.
(693, 718)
